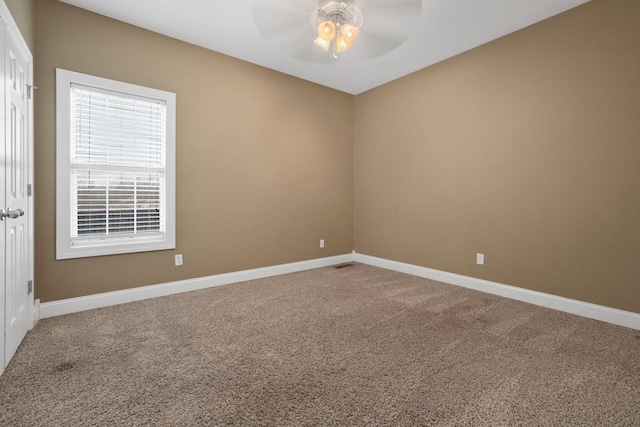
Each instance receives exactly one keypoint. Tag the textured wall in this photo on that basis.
(526, 149)
(259, 181)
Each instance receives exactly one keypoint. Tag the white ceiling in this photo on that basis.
(442, 29)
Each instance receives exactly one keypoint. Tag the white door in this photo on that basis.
(3, 190)
(16, 210)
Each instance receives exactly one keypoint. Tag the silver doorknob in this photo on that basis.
(10, 214)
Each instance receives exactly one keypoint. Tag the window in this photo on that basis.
(115, 167)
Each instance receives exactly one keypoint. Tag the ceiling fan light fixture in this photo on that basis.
(341, 44)
(324, 44)
(338, 23)
(327, 30)
(350, 33)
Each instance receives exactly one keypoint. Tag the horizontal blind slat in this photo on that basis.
(108, 127)
(117, 163)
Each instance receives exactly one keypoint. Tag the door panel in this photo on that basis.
(4, 174)
(17, 308)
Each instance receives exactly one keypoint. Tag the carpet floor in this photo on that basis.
(352, 346)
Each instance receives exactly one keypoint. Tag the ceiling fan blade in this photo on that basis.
(273, 19)
(388, 4)
(373, 45)
(393, 20)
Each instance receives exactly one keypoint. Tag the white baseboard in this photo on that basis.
(90, 302)
(592, 311)
(584, 309)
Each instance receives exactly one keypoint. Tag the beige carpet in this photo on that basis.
(352, 346)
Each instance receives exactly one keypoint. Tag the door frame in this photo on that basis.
(7, 21)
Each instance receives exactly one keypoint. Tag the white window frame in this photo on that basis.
(65, 247)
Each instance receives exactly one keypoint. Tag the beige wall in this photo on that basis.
(23, 12)
(526, 149)
(259, 180)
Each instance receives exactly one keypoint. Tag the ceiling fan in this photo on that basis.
(321, 30)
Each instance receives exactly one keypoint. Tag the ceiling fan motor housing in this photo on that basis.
(338, 12)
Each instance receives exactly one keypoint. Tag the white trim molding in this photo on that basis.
(72, 243)
(90, 302)
(567, 305)
(580, 308)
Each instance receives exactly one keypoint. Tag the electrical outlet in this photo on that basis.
(178, 259)
(322, 243)
(480, 259)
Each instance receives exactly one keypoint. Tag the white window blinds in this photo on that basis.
(117, 165)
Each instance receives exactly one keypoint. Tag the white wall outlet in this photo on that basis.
(178, 259)
(480, 259)
(322, 243)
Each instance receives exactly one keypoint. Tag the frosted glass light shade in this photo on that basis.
(341, 44)
(322, 43)
(327, 30)
(350, 34)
